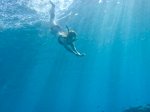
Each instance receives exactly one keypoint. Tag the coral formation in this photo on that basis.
(145, 108)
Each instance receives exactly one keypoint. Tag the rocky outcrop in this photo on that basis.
(145, 108)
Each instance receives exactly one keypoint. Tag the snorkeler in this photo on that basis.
(66, 39)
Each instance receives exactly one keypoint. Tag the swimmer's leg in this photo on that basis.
(55, 29)
(52, 13)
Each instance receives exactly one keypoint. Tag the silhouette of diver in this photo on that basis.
(66, 39)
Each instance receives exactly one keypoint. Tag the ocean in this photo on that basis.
(37, 74)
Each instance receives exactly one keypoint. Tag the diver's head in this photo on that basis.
(72, 34)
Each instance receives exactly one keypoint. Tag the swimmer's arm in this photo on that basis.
(70, 50)
(66, 47)
(75, 50)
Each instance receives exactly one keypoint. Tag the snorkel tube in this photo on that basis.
(67, 29)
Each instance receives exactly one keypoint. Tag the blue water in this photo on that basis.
(39, 75)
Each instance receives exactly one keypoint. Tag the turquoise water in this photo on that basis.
(39, 75)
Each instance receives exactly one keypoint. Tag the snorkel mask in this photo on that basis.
(71, 33)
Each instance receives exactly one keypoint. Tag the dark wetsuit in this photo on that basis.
(66, 39)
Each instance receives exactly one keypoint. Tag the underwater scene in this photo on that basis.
(74, 55)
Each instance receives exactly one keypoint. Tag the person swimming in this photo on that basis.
(66, 39)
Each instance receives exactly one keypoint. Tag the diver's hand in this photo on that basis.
(83, 54)
(79, 54)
